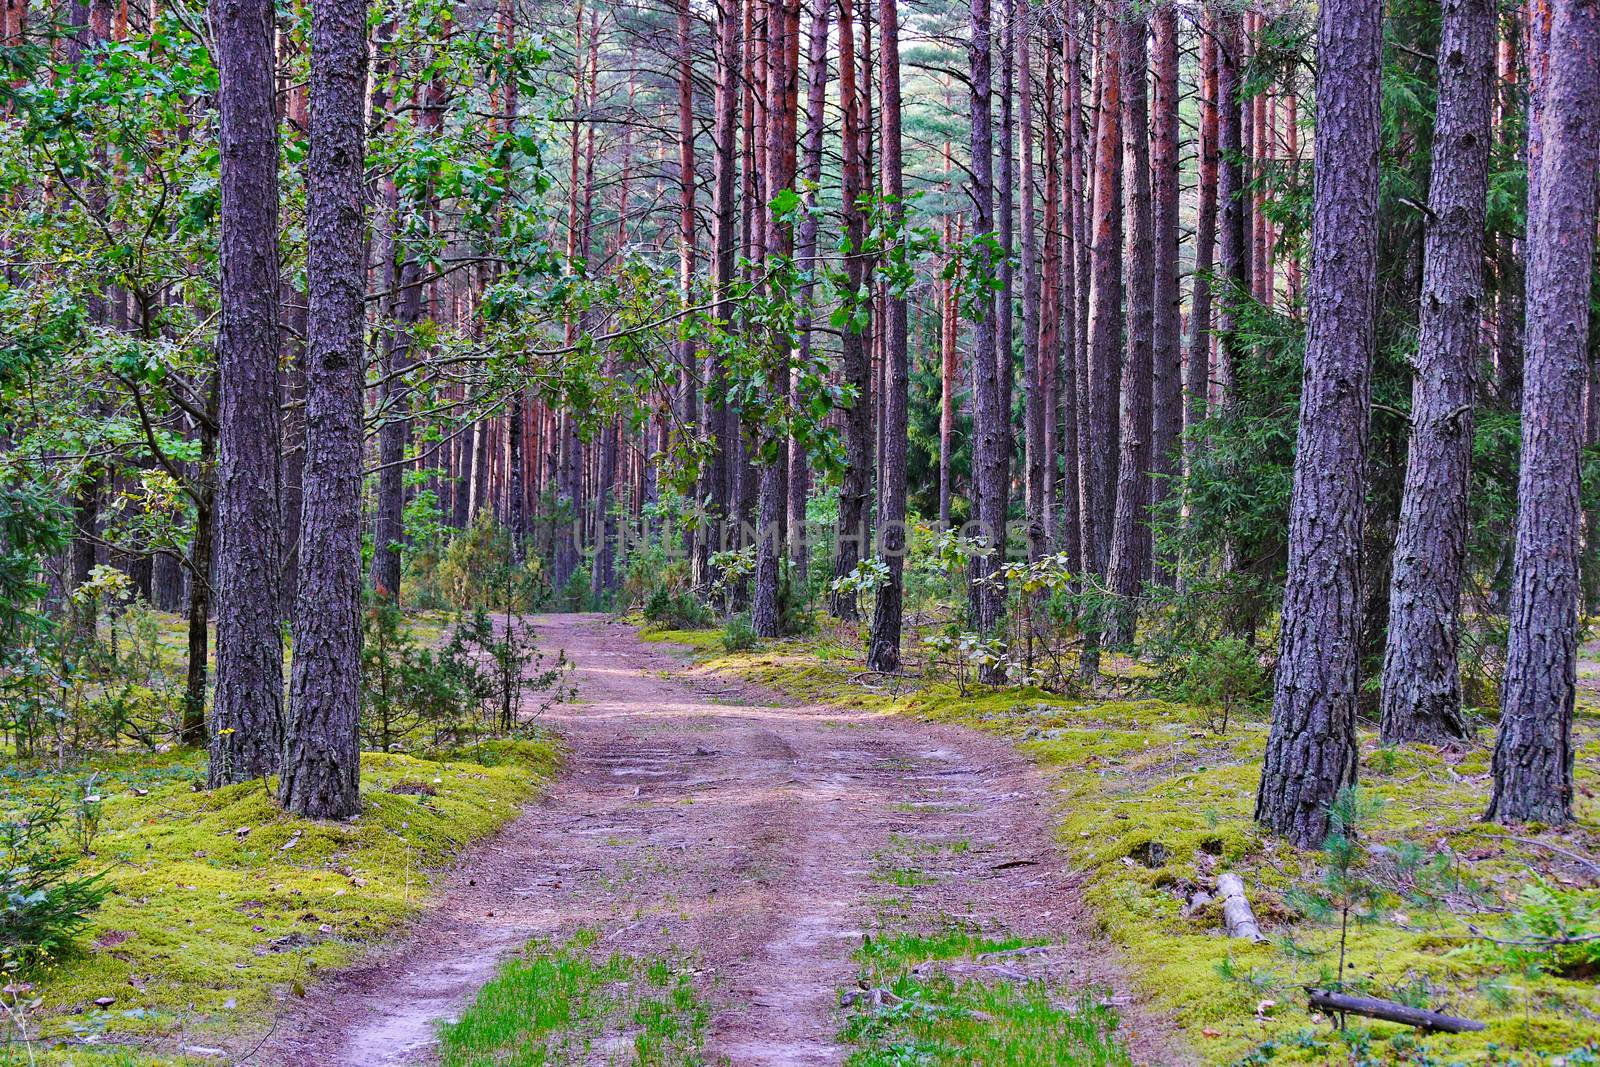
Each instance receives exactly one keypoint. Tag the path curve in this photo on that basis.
(704, 816)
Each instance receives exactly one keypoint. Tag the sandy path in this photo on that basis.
(707, 818)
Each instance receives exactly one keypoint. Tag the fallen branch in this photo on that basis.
(1576, 857)
(1237, 914)
(1389, 1011)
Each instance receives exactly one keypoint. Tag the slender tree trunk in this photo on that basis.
(192, 730)
(991, 433)
(1533, 756)
(247, 720)
(1421, 698)
(1231, 199)
(855, 363)
(1034, 383)
(1166, 372)
(1105, 341)
(322, 763)
(1311, 752)
(1126, 568)
(806, 251)
(714, 480)
(884, 651)
(1197, 371)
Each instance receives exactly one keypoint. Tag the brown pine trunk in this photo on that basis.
(1197, 370)
(322, 762)
(854, 360)
(1421, 698)
(247, 717)
(991, 434)
(1105, 360)
(806, 253)
(1166, 370)
(1533, 756)
(1232, 199)
(1033, 379)
(883, 653)
(1311, 752)
(1126, 569)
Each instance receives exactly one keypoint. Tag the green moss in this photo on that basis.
(219, 898)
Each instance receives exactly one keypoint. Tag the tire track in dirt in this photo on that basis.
(706, 818)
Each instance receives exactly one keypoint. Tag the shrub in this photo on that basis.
(738, 635)
(44, 904)
(1222, 676)
(676, 609)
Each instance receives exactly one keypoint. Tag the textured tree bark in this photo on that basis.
(247, 715)
(990, 429)
(782, 20)
(1074, 293)
(322, 761)
(192, 730)
(806, 252)
(1533, 755)
(1421, 699)
(1166, 371)
(883, 653)
(1035, 387)
(715, 485)
(1231, 199)
(854, 361)
(1197, 371)
(1126, 567)
(1105, 297)
(1311, 752)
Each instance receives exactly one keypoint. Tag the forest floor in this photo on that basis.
(748, 856)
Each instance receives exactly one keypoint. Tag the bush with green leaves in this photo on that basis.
(739, 634)
(1552, 930)
(44, 902)
(676, 609)
(1221, 677)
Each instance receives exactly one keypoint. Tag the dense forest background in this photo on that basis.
(768, 308)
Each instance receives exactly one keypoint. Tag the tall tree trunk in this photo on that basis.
(1197, 371)
(1421, 698)
(1105, 341)
(322, 761)
(192, 730)
(855, 362)
(991, 434)
(1166, 371)
(1126, 568)
(806, 253)
(884, 651)
(688, 394)
(774, 503)
(1034, 384)
(1311, 752)
(715, 485)
(247, 718)
(1533, 755)
(1231, 198)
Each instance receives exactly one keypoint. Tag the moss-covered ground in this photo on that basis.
(1155, 804)
(220, 902)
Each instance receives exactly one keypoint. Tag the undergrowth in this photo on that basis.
(563, 1004)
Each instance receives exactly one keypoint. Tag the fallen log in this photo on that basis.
(1389, 1011)
(1237, 914)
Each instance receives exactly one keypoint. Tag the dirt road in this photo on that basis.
(709, 819)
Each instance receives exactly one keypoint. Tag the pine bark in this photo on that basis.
(1197, 370)
(1166, 371)
(322, 763)
(883, 653)
(1421, 699)
(1311, 752)
(854, 360)
(1105, 330)
(990, 429)
(1126, 568)
(1036, 388)
(1232, 198)
(1533, 755)
(247, 716)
